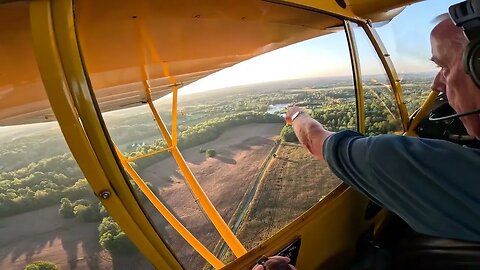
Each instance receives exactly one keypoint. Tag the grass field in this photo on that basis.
(293, 182)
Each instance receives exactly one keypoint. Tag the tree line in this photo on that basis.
(41, 184)
(110, 237)
(201, 133)
(338, 112)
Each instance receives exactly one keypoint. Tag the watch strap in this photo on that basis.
(295, 115)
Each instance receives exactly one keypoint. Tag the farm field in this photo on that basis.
(294, 181)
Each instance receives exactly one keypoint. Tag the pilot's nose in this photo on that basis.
(439, 84)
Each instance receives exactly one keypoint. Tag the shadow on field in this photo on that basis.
(253, 141)
(44, 235)
(90, 249)
(225, 159)
(133, 261)
(27, 249)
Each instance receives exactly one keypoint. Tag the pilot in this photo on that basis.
(433, 185)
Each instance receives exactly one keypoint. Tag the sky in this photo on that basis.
(406, 38)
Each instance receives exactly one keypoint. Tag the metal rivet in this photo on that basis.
(105, 194)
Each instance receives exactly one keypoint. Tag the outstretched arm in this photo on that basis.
(309, 132)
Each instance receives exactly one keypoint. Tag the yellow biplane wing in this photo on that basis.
(127, 44)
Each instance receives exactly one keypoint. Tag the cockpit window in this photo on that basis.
(407, 38)
(229, 126)
(260, 176)
(234, 140)
(186, 135)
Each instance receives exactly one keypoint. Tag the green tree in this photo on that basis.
(66, 208)
(288, 135)
(88, 213)
(113, 239)
(122, 244)
(81, 189)
(102, 210)
(211, 153)
(41, 265)
(82, 202)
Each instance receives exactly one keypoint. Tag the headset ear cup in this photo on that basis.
(471, 61)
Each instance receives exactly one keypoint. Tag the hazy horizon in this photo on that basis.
(8, 131)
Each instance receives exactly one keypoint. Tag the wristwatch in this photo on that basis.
(295, 115)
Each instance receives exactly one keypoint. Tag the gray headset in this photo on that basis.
(467, 15)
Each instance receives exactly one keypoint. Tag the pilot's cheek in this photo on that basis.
(438, 83)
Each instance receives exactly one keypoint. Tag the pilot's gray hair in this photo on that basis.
(440, 18)
(459, 37)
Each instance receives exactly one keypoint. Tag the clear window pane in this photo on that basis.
(407, 38)
(381, 112)
(230, 129)
(263, 171)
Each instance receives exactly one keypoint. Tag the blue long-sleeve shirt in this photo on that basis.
(433, 185)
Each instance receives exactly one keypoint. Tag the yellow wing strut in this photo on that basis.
(171, 139)
(421, 114)
(201, 249)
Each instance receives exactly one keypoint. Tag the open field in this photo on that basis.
(225, 178)
(293, 182)
(72, 244)
(69, 243)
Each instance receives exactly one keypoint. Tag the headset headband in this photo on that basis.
(467, 15)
